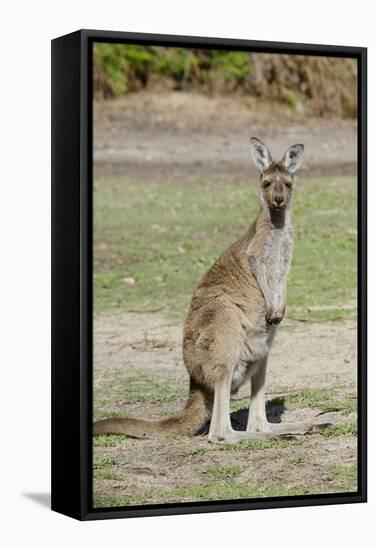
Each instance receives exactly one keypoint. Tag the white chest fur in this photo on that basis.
(276, 253)
(270, 251)
(269, 254)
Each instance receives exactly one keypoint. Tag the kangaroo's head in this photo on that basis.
(276, 177)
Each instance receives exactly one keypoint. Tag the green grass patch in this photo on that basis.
(347, 428)
(240, 407)
(228, 490)
(212, 491)
(108, 440)
(106, 474)
(223, 486)
(326, 400)
(103, 461)
(111, 397)
(109, 501)
(299, 459)
(166, 236)
(327, 314)
(233, 490)
(225, 472)
(251, 445)
(345, 477)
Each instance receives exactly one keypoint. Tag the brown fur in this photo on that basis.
(221, 303)
(188, 421)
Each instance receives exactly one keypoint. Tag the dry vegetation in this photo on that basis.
(314, 85)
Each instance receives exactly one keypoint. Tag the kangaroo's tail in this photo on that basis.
(186, 422)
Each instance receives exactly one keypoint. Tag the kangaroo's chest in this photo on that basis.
(276, 251)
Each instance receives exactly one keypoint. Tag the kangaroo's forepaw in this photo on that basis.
(274, 318)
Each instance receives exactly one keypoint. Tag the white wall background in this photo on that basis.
(27, 28)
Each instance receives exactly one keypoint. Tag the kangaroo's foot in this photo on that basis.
(221, 430)
(302, 428)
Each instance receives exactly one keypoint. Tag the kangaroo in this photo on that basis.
(233, 319)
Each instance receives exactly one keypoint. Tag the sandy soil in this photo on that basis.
(320, 355)
(173, 134)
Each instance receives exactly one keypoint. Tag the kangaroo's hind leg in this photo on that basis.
(257, 420)
(216, 357)
(221, 430)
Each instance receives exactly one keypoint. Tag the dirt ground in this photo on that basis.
(138, 368)
(176, 134)
(136, 345)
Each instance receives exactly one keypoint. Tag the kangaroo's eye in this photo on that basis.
(266, 183)
(288, 184)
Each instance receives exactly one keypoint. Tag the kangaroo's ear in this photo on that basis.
(260, 154)
(293, 158)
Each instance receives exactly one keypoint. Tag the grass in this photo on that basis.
(225, 472)
(254, 445)
(222, 483)
(111, 397)
(326, 400)
(106, 474)
(347, 428)
(299, 459)
(214, 491)
(143, 387)
(344, 476)
(234, 490)
(108, 440)
(153, 242)
(109, 501)
(103, 461)
(327, 314)
(100, 465)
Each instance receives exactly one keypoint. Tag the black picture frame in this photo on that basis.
(72, 272)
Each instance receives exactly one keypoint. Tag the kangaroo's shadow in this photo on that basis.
(274, 411)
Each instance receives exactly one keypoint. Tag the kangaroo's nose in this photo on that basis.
(278, 199)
